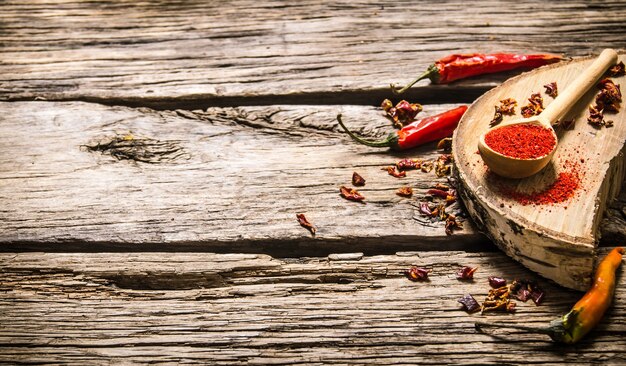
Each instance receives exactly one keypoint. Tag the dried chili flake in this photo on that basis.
(427, 166)
(408, 164)
(451, 198)
(525, 289)
(405, 191)
(437, 193)
(445, 158)
(394, 172)
(506, 107)
(610, 96)
(304, 222)
(445, 144)
(442, 169)
(441, 186)
(466, 273)
(425, 209)
(350, 194)
(596, 117)
(551, 89)
(617, 70)
(469, 303)
(535, 106)
(416, 274)
(497, 282)
(357, 180)
(403, 113)
(452, 223)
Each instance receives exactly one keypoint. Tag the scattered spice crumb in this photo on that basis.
(304, 222)
(551, 89)
(357, 180)
(350, 194)
(416, 274)
(391, 170)
(405, 191)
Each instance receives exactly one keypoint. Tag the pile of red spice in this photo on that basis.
(523, 141)
(562, 189)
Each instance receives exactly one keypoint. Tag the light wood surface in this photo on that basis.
(83, 308)
(555, 240)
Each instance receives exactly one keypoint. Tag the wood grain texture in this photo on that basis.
(171, 54)
(255, 309)
(224, 179)
(556, 240)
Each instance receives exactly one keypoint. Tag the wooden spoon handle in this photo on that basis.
(579, 87)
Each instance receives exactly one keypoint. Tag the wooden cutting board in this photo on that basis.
(557, 241)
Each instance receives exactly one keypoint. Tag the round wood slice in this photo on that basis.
(557, 241)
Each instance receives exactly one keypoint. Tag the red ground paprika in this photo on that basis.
(521, 141)
(461, 66)
(429, 129)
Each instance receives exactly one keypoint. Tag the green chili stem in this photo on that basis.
(542, 330)
(384, 143)
(430, 73)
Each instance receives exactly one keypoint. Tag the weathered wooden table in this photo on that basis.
(185, 249)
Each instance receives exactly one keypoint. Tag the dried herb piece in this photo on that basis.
(506, 107)
(408, 164)
(350, 194)
(497, 282)
(469, 303)
(445, 144)
(403, 113)
(452, 224)
(405, 191)
(416, 274)
(394, 172)
(357, 180)
(466, 273)
(304, 222)
(535, 106)
(617, 70)
(551, 89)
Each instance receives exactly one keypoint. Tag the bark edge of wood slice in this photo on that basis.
(558, 241)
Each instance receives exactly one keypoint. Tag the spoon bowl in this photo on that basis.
(511, 167)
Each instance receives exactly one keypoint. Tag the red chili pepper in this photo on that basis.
(455, 67)
(417, 133)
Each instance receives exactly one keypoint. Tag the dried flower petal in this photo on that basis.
(466, 273)
(394, 172)
(551, 89)
(416, 274)
(305, 223)
(350, 194)
(405, 191)
(357, 180)
(469, 303)
(497, 282)
(617, 70)
(408, 164)
(445, 144)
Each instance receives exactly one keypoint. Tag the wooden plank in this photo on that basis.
(223, 179)
(195, 54)
(255, 309)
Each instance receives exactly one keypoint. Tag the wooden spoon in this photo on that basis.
(510, 167)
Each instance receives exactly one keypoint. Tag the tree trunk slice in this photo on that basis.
(558, 241)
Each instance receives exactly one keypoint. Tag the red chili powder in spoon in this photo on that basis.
(523, 141)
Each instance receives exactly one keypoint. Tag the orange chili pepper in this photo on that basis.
(587, 312)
